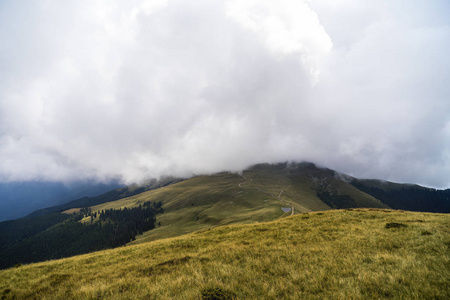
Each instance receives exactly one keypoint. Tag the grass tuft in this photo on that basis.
(395, 225)
(217, 294)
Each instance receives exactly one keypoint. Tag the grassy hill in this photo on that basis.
(261, 193)
(343, 254)
(256, 195)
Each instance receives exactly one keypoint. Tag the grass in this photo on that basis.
(344, 254)
(255, 196)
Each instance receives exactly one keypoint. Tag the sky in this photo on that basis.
(140, 89)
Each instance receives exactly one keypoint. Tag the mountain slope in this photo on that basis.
(261, 193)
(18, 199)
(345, 254)
(111, 195)
(258, 194)
(406, 196)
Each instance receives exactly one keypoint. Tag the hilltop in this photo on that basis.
(344, 254)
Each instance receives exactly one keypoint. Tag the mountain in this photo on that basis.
(111, 195)
(261, 193)
(335, 254)
(18, 199)
(406, 196)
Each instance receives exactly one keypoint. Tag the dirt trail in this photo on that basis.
(279, 198)
(259, 189)
(245, 180)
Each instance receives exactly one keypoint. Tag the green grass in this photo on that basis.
(257, 196)
(344, 254)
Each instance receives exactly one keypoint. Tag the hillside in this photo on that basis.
(17, 199)
(256, 195)
(344, 254)
(406, 196)
(110, 195)
(261, 193)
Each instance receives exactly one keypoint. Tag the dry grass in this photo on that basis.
(205, 202)
(345, 254)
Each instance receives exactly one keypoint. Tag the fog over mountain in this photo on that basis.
(138, 89)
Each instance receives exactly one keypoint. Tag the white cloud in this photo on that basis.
(286, 27)
(137, 89)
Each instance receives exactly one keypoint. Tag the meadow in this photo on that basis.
(335, 254)
(256, 195)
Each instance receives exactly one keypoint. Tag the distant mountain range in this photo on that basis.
(18, 199)
(173, 207)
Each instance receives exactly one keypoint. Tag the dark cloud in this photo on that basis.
(139, 89)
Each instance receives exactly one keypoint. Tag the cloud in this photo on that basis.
(138, 89)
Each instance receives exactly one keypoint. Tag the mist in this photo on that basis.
(132, 90)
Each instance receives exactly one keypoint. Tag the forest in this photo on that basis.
(62, 235)
(413, 198)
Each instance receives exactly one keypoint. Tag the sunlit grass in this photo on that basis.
(335, 254)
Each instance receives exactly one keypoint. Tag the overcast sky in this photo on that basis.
(136, 89)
